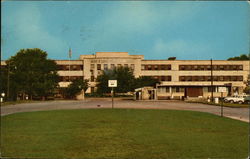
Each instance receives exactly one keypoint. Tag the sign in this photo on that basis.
(112, 83)
(222, 89)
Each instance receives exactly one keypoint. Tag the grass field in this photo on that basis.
(122, 133)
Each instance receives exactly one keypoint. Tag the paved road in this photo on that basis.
(236, 113)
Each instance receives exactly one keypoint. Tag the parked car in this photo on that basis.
(237, 99)
(247, 99)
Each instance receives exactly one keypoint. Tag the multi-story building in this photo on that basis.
(177, 78)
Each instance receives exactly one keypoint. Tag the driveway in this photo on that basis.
(98, 103)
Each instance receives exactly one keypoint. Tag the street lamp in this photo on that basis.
(2, 96)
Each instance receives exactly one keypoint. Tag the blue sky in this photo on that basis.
(197, 30)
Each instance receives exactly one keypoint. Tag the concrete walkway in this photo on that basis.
(98, 103)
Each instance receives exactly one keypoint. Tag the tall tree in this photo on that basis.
(30, 72)
(75, 87)
(124, 77)
(125, 80)
(241, 57)
(143, 81)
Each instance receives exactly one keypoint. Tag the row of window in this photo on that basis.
(169, 78)
(162, 78)
(69, 78)
(155, 67)
(70, 67)
(111, 66)
(176, 89)
(152, 67)
(208, 78)
(208, 67)
(173, 89)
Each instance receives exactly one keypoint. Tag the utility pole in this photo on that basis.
(70, 53)
(8, 83)
(212, 80)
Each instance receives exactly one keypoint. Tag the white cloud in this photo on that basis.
(28, 28)
(124, 22)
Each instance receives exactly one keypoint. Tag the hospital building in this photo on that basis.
(177, 78)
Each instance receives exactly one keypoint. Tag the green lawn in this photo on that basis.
(122, 133)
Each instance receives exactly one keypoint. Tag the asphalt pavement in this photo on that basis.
(100, 103)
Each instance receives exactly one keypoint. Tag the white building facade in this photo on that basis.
(177, 78)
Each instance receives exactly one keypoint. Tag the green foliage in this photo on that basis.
(75, 87)
(124, 77)
(125, 81)
(241, 57)
(247, 90)
(30, 72)
(143, 81)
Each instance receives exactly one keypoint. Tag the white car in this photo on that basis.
(236, 99)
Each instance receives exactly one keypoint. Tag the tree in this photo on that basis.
(143, 81)
(75, 87)
(247, 90)
(125, 81)
(241, 57)
(31, 73)
(124, 77)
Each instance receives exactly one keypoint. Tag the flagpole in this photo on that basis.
(69, 61)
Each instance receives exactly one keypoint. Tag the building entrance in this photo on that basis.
(193, 92)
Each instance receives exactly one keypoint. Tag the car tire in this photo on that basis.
(231, 101)
(240, 102)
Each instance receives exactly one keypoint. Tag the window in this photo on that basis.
(73, 78)
(240, 67)
(163, 78)
(66, 79)
(221, 67)
(167, 89)
(181, 78)
(162, 89)
(149, 67)
(67, 67)
(142, 67)
(92, 79)
(112, 66)
(177, 89)
(227, 67)
(119, 65)
(215, 67)
(208, 67)
(234, 78)
(240, 78)
(105, 66)
(202, 67)
(181, 67)
(92, 66)
(125, 65)
(132, 66)
(195, 67)
(210, 89)
(98, 66)
(169, 67)
(156, 67)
